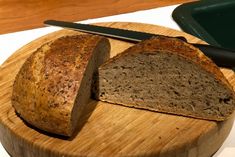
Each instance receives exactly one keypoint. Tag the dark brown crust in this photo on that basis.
(46, 86)
(176, 46)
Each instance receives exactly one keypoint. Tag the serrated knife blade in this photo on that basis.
(222, 57)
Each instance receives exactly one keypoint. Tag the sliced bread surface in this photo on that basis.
(166, 75)
(53, 85)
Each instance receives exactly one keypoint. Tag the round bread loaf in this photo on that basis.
(166, 75)
(53, 85)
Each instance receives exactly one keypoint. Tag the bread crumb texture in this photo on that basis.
(166, 75)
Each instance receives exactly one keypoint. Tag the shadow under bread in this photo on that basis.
(86, 113)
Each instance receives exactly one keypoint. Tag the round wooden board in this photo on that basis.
(109, 130)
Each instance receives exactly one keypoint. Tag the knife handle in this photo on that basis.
(222, 57)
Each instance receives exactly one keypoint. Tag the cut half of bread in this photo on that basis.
(53, 85)
(166, 75)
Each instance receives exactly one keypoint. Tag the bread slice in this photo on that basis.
(54, 84)
(166, 75)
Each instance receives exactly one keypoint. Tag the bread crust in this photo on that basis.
(173, 45)
(47, 84)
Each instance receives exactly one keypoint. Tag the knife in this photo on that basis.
(222, 57)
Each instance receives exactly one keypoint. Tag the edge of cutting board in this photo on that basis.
(109, 130)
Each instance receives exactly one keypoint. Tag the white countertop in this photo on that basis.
(11, 42)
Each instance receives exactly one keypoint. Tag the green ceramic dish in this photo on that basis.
(210, 20)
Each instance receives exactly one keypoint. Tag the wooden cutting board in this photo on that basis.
(109, 130)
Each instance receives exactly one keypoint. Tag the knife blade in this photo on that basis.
(222, 57)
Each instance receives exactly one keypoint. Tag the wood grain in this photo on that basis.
(105, 129)
(17, 15)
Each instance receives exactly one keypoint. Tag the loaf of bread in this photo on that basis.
(166, 75)
(54, 84)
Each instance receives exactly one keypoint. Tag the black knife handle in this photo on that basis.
(222, 57)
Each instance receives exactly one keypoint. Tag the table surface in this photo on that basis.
(18, 15)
